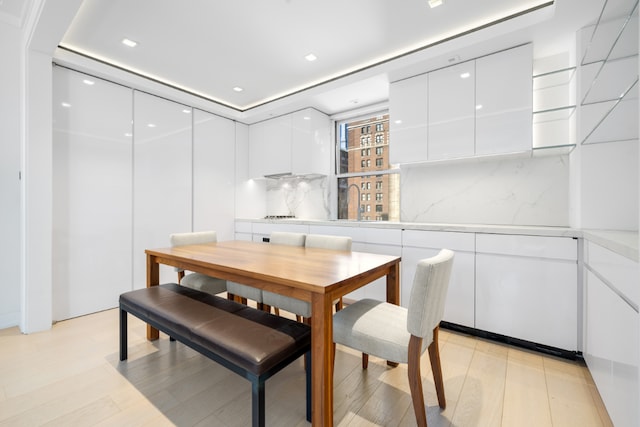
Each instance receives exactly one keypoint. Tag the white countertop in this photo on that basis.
(624, 243)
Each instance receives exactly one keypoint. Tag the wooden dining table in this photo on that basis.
(319, 276)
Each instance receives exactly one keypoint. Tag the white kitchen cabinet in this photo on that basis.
(162, 179)
(452, 112)
(262, 230)
(213, 174)
(297, 143)
(270, 147)
(504, 101)
(383, 241)
(243, 230)
(92, 194)
(476, 108)
(311, 143)
(408, 118)
(526, 288)
(612, 331)
(420, 244)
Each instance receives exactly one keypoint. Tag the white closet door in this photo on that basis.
(162, 189)
(213, 174)
(92, 199)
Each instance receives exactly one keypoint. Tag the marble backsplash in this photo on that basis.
(305, 197)
(521, 191)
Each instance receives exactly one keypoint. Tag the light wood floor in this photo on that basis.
(71, 376)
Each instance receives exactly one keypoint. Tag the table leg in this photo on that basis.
(393, 292)
(321, 360)
(393, 284)
(153, 279)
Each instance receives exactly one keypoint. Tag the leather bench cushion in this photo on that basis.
(252, 339)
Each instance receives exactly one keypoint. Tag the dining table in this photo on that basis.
(316, 275)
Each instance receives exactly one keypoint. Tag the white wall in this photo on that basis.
(10, 247)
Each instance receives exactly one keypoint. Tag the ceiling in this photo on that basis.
(208, 48)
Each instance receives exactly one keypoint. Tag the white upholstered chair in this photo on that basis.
(401, 335)
(247, 292)
(198, 281)
(298, 307)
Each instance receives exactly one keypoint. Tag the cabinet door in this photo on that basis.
(311, 144)
(526, 288)
(213, 174)
(408, 120)
(162, 179)
(452, 112)
(270, 147)
(612, 335)
(504, 101)
(419, 244)
(92, 194)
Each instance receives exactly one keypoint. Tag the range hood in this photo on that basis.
(291, 175)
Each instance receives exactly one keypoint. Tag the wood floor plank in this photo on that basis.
(526, 401)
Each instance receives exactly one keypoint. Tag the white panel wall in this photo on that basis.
(162, 187)
(92, 194)
(10, 72)
(213, 174)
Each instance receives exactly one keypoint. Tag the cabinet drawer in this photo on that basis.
(266, 228)
(379, 236)
(439, 239)
(565, 248)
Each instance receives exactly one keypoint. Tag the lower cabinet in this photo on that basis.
(419, 244)
(526, 288)
(612, 332)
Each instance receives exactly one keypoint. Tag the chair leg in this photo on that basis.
(339, 304)
(180, 276)
(415, 380)
(365, 360)
(436, 367)
(231, 297)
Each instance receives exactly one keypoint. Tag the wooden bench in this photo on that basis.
(251, 343)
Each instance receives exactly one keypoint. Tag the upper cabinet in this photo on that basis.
(408, 105)
(504, 101)
(478, 107)
(296, 143)
(452, 112)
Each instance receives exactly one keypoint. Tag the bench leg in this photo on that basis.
(123, 335)
(257, 403)
(307, 368)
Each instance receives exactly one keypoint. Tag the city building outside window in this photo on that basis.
(356, 174)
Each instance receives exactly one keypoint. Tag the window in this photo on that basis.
(353, 144)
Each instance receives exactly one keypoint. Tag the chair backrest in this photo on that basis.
(428, 294)
(194, 238)
(339, 243)
(287, 238)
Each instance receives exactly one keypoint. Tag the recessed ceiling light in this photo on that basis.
(465, 75)
(151, 125)
(186, 111)
(128, 135)
(398, 122)
(479, 106)
(434, 3)
(310, 57)
(129, 42)
(88, 82)
(306, 118)
(66, 105)
(238, 89)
